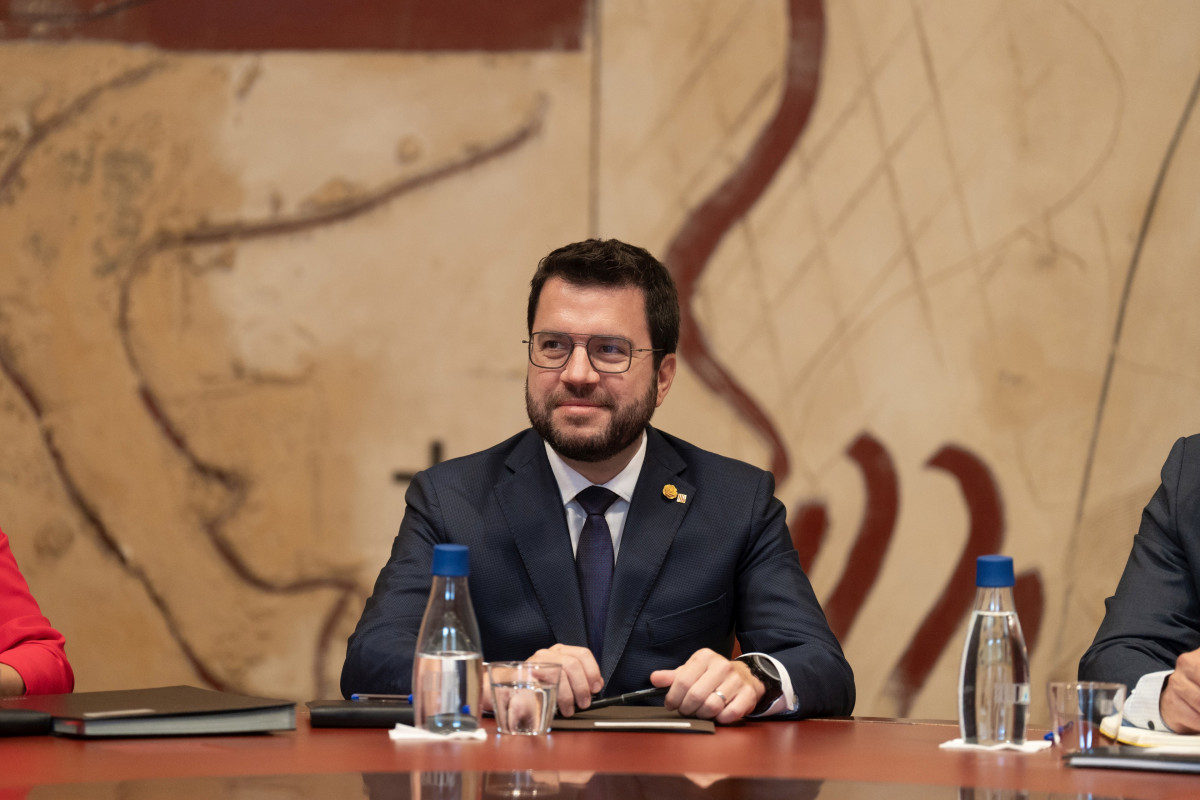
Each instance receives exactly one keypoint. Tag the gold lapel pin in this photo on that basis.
(671, 493)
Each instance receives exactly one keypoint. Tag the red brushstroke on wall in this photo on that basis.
(875, 531)
(689, 252)
(985, 535)
(809, 526)
(224, 25)
(1030, 598)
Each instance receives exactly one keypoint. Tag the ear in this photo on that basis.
(666, 375)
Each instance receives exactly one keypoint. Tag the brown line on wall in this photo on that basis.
(358, 205)
(237, 231)
(11, 174)
(1135, 260)
(10, 180)
(689, 252)
(136, 264)
(92, 518)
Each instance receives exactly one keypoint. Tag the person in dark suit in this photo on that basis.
(1150, 637)
(702, 552)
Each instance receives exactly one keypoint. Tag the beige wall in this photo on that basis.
(209, 375)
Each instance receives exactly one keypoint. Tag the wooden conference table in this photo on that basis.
(846, 758)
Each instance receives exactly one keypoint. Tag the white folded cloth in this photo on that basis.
(407, 733)
(1030, 746)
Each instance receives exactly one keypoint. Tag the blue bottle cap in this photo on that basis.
(451, 560)
(994, 571)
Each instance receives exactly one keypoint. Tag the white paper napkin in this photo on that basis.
(1030, 746)
(407, 733)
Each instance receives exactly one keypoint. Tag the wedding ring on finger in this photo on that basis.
(720, 694)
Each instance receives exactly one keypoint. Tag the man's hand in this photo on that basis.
(1179, 703)
(580, 675)
(710, 686)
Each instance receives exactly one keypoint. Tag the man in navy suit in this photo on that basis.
(702, 552)
(1150, 637)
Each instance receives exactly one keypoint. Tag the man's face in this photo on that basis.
(585, 415)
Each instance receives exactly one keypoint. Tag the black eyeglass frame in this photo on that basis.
(586, 345)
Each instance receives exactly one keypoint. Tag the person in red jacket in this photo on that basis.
(33, 658)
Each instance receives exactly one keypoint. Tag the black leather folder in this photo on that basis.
(1129, 757)
(359, 713)
(161, 711)
(25, 722)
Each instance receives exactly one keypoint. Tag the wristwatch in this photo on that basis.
(764, 669)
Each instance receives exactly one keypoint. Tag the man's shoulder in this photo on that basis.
(1186, 450)
(1181, 470)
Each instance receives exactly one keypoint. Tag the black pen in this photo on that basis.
(627, 699)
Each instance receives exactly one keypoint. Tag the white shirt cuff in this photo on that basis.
(785, 702)
(1141, 707)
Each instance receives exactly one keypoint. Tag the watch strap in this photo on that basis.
(773, 687)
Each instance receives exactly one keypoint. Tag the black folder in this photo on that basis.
(359, 713)
(162, 711)
(1125, 756)
(24, 722)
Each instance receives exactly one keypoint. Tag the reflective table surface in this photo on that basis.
(524, 784)
(848, 758)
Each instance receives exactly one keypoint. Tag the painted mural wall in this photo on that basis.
(937, 261)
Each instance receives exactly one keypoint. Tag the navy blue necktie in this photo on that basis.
(594, 563)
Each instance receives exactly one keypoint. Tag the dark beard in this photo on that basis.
(623, 429)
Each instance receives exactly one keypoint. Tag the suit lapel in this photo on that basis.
(532, 508)
(650, 529)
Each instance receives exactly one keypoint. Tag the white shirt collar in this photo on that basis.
(571, 483)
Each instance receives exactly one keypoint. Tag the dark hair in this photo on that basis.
(611, 262)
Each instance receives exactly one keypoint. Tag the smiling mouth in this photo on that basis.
(569, 400)
(575, 405)
(579, 407)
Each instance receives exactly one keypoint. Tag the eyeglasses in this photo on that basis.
(608, 354)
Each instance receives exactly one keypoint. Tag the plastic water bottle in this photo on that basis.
(448, 665)
(993, 684)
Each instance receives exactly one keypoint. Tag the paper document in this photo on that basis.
(1143, 738)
